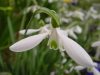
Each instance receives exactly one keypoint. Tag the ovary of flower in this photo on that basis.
(74, 50)
(97, 44)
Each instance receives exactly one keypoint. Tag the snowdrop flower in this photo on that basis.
(93, 13)
(50, 1)
(68, 13)
(71, 32)
(30, 8)
(57, 40)
(69, 71)
(48, 20)
(65, 20)
(78, 14)
(53, 73)
(94, 70)
(97, 44)
(98, 28)
(30, 31)
(78, 68)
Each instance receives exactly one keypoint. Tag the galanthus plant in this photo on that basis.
(57, 40)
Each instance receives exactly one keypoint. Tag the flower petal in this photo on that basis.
(95, 71)
(72, 34)
(29, 31)
(76, 52)
(78, 68)
(95, 44)
(28, 43)
(78, 29)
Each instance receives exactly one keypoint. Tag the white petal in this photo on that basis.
(37, 16)
(95, 71)
(66, 20)
(29, 31)
(97, 55)
(95, 44)
(50, 1)
(79, 14)
(78, 29)
(28, 43)
(72, 34)
(44, 29)
(78, 68)
(76, 52)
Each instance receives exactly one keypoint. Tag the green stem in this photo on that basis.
(10, 29)
(52, 14)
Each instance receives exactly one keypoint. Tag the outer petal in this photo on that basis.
(72, 34)
(78, 68)
(76, 52)
(95, 71)
(95, 44)
(29, 31)
(78, 29)
(28, 43)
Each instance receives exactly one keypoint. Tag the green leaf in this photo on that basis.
(5, 73)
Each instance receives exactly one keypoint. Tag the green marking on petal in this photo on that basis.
(53, 44)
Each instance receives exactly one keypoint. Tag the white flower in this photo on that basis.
(65, 20)
(30, 31)
(30, 8)
(92, 13)
(50, 1)
(77, 14)
(93, 69)
(71, 32)
(97, 44)
(78, 68)
(57, 39)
